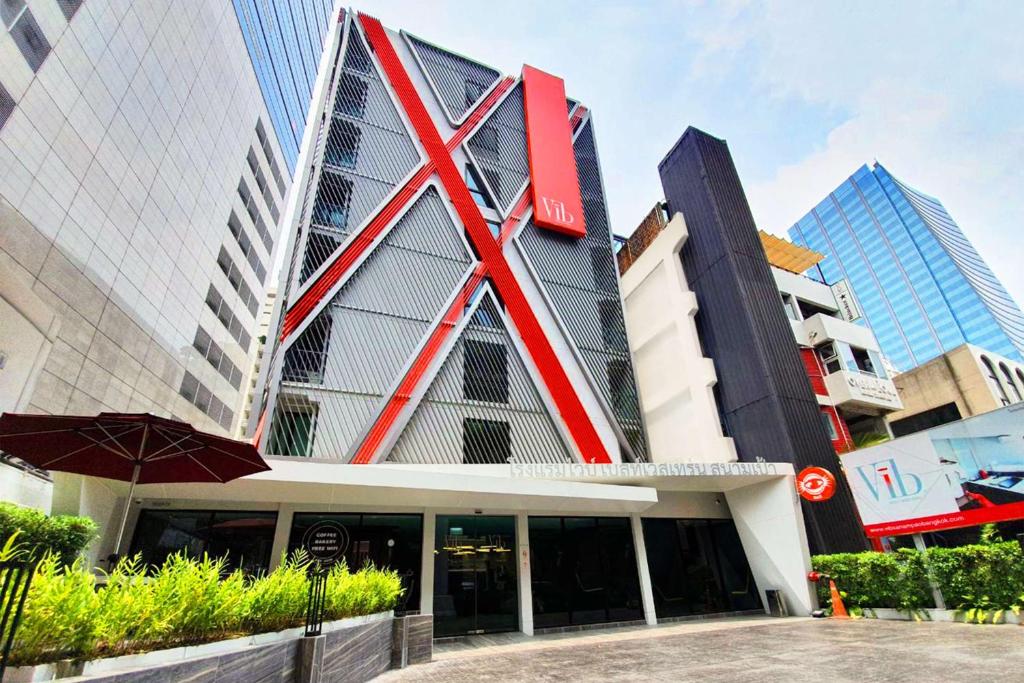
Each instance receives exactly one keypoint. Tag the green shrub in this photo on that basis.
(897, 580)
(60, 614)
(278, 600)
(64, 535)
(989, 575)
(186, 601)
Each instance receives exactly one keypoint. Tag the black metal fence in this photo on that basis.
(315, 602)
(16, 578)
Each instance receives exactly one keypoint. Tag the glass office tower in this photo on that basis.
(285, 39)
(923, 288)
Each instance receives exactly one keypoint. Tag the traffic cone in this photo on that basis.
(838, 608)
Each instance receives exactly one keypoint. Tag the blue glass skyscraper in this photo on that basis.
(923, 288)
(285, 39)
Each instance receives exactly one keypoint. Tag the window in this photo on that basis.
(830, 427)
(861, 361)
(306, 359)
(927, 419)
(248, 250)
(261, 133)
(254, 214)
(474, 91)
(262, 184)
(332, 200)
(212, 352)
(69, 7)
(476, 188)
(789, 304)
(387, 541)
(244, 538)
(602, 268)
(215, 302)
(234, 275)
(293, 432)
(494, 227)
(352, 96)
(319, 246)
(1014, 389)
(808, 310)
(486, 372)
(6, 105)
(486, 442)
(994, 384)
(196, 393)
(829, 355)
(613, 330)
(342, 144)
(620, 382)
(27, 35)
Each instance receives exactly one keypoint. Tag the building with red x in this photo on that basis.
(449, 382)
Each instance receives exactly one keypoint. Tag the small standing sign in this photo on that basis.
(325, 542)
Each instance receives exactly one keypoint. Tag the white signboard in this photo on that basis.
(846, 301)
(964, 473)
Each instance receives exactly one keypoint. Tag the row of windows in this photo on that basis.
(262, 184)
(227, 317)
(198, 395)
(254, 213)
(212, 352)
(999, 385)
(234, 275)
(247, 247)
(261, 135)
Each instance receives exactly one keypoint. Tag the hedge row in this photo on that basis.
(969, 576)
(64, 535)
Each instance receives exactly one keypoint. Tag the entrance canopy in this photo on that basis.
(626, 488)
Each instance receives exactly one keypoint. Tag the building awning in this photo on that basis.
(596, 489)
(788, 256)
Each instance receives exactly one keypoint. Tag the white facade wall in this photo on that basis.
(673, 377)
(123, 157)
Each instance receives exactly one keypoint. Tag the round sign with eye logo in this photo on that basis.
(816, 484)
(325, 541)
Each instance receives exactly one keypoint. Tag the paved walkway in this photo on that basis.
(747, 649)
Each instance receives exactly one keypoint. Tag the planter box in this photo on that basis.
(931, 614)
(93, 667)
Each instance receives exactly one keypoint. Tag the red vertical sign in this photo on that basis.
(554, 183)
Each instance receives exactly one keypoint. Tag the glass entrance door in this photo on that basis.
(475, 581)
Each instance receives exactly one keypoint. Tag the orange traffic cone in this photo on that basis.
(838, 608)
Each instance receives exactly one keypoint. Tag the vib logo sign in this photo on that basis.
(885, 481)
(556, 211)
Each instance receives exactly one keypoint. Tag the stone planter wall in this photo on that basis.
(1008, 617)
(356, 649)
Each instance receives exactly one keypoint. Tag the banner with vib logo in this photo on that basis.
(554, 184)
(960, 474)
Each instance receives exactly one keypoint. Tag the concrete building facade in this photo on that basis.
(135, 205)
(961, 383)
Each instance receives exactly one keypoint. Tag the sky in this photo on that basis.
(803, 92)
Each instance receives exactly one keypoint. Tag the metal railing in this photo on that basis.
(17, 579)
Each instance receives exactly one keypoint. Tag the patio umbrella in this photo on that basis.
(135, 447)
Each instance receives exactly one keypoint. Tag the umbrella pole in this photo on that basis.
(127, 507)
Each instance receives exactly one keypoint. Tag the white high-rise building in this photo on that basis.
(141, 183)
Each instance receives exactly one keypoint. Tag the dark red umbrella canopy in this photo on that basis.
(112, 444)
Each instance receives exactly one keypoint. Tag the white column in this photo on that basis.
(643, 571)
(427, 563)
(525, 584)
(771, 528)
(282, 531)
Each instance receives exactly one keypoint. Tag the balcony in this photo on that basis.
(821, 328)
(862, 392)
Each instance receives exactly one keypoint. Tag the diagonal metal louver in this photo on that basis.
(365, 152)
(458, 82)
(482, 407)
(341, 366)
(498, 149)
(580, 280)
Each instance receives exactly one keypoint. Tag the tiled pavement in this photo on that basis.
(748, 649)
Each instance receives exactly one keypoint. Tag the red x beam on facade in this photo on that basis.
(492, 262)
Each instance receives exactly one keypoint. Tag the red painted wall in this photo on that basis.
(814, 372)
